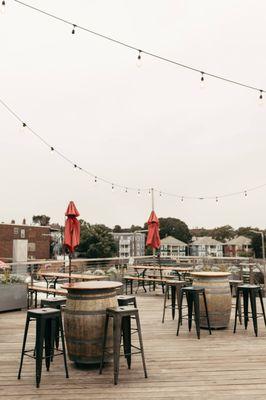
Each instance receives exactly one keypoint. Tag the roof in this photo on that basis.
(171, 241)
(239, 241)
(206, 240)
(26, 226)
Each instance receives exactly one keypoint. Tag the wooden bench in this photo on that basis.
(128, 280)
(34, 290)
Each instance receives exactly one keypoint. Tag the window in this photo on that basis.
(32, 247)
(16, 231)
(22, 233)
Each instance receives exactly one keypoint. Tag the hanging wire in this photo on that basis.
(154, 55)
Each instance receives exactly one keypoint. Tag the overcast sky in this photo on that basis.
(146, 127)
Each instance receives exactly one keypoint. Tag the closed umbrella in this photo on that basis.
(72, 231)
(153, 238)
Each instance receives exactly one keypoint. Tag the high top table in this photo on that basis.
(218, 297)
(84, 318)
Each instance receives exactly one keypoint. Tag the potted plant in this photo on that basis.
(13, 290)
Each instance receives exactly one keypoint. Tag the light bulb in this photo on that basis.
(22, 127)
(260, 99)
(3, 7)
(139, 60)
(216, 200)
(202, 82)
(52, 149)
(95, 179)
(75, 167)
(73, 30)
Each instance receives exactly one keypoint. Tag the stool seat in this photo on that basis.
(193, 289)
(125, 300)
(121, 310)
(249, 286)
(235, 281)
(174, 282)
(53, 302)
(44, 313)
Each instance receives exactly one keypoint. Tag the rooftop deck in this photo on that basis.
(215, 367)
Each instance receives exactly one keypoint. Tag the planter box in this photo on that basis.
(13, 296)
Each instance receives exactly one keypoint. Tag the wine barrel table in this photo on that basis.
(218, 297)
(84, 318)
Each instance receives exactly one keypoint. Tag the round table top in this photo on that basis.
(210, 274)
(93, 285)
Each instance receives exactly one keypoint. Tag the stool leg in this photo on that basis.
(245, 300)
(131, 286)
(40, 329)
(141, 345)
(239, 311)
(254, 310)
(126, 329)
(190, 310)
(195, 301)
(104, 342)
(173, 300)
(49, 342)
(180, 314)
(60, 322)
(237, 308)
(116, 346)
(23, 345)
(165, 299)
(262, 306)
(207, 313)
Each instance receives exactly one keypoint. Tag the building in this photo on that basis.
(239, 246)
(130, 244)
(172, 247)
(36, 240)
(206, 246)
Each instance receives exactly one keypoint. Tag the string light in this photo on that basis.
(125, 188)
(3, 7)
(160, 194)
(202, 82)
(113, 186)
(139, 61)
(126, 45)
(261, 98)
(73, 30)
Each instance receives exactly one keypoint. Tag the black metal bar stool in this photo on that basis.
(45, 327)
(126, 300)
(57, 303)
(175, 296)
(192, 294)
(122, 327)
(249, 292)
(234, 283)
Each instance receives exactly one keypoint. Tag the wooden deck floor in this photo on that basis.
(215, 367)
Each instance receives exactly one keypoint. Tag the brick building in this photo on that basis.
(38, 240)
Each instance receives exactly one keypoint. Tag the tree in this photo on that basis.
(174, 227)
(43, 220)
(198, 232)
(245, 231)
(117, 229)
(96, 241)
(222, 233)
(135, 228)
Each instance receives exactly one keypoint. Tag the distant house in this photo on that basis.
(171, 246)
(238, 246)
(206, 246)
(130, 243)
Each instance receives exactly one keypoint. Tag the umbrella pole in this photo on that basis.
(70, 258)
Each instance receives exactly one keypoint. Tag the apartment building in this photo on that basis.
(206, 247)
(172, 247)
(130, 244)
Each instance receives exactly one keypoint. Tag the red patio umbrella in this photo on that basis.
(153, 238)
(72, 231)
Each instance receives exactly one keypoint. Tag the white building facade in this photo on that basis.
(130, 244)
(206, 247)
(172, 247)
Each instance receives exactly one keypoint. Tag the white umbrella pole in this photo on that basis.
(152, 207)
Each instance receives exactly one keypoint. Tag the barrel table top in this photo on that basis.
(210, 274)
(94, 285)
